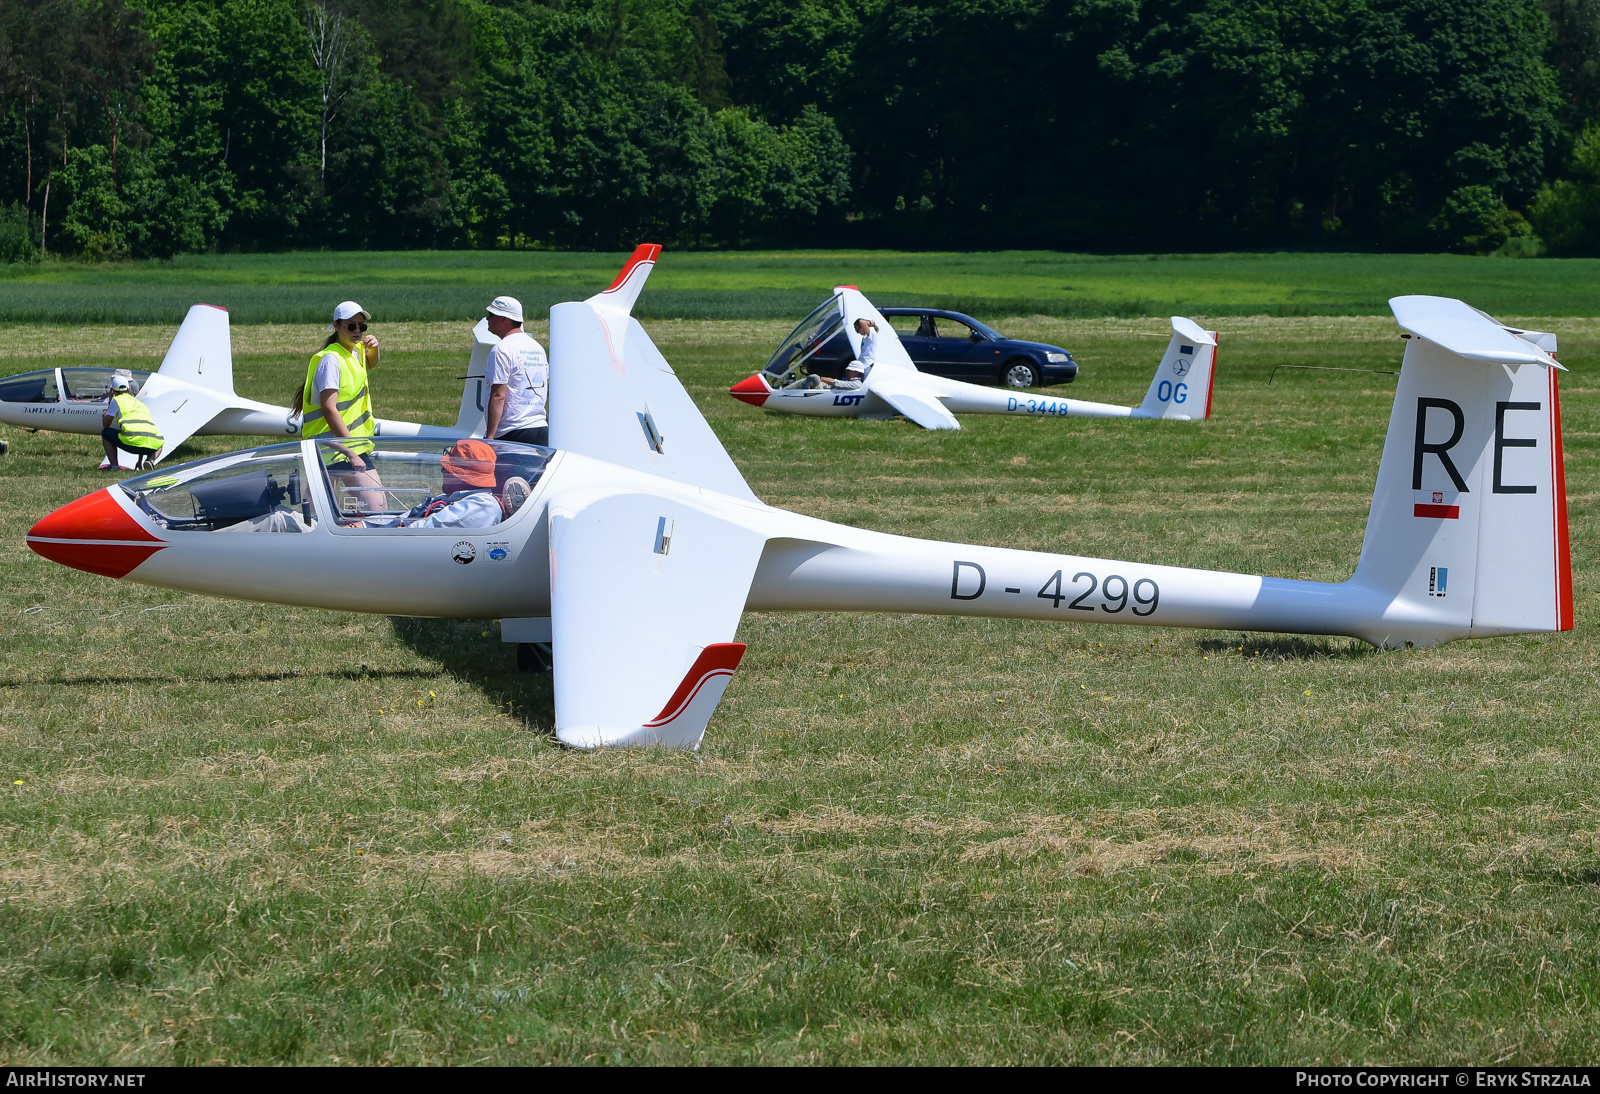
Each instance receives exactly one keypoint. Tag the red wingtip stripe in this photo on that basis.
(717, 659)
(219, 307)
(644, 252)
(1563, 560)
(1211, 381)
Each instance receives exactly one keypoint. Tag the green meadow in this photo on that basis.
(238, 833)
(422, 285)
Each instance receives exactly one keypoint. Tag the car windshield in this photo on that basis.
(261, 490)
(429, 483)
(811, 335)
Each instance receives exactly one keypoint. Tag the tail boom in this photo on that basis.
(896, 574)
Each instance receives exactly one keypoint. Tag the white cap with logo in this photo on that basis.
(508, 306)
(348, 310)
(121, 383)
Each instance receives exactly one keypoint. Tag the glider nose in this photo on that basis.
(95, 534)
(753, 390)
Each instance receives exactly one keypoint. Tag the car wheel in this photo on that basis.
(1019, 374)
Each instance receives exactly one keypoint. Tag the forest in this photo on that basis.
(149, 128)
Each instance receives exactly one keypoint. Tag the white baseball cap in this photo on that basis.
(348, 310)
(120, 383)
(855, 366)
(508, 306)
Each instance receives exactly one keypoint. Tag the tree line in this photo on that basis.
(156, 127)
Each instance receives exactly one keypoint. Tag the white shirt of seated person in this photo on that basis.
(476, 508)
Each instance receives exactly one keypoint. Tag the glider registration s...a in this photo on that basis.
(192, 393)
(1181, 389)
(633, 544)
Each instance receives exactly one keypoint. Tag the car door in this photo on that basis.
(961, 353)
(915, 331)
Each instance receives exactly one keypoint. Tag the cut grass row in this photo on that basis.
(241, 833)
(774, 285)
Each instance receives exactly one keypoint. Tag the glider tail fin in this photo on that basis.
(202, 350)
(473, 417)
(1182, 384)
(1468, 529)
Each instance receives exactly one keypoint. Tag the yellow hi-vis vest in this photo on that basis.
(355, 405)
(135, 427)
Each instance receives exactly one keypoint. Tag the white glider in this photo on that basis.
(634, 544)
(1181, 389)
(192, 393)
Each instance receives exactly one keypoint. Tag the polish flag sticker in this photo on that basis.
(1439, 504)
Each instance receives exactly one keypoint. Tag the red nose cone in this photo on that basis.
(96, 534)
(753, 390)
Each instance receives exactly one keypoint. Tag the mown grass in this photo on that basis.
(238, 833)
(444, 285)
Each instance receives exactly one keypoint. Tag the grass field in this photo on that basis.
(239, 833)
(290, 288)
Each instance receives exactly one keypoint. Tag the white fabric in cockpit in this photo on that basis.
(475, 509)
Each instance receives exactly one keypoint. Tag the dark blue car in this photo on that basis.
(947, 343)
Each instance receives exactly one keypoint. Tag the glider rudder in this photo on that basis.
(1181, 388)
(1469, 516)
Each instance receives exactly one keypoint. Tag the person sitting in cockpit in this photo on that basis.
(469, 499)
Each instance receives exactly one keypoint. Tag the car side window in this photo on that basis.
(954, 329)
(906, 326)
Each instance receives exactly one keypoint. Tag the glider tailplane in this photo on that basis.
(202, 351)
(1182, 385)
(645, 593)
(472, 419)
(1469, 517)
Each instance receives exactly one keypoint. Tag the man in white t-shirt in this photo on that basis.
(518, 375)
(855, 373)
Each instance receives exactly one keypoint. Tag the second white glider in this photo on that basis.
(1181, 389)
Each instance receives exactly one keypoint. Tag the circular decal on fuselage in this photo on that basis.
(463, 552)
(1180, 367)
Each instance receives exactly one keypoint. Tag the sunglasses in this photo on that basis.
(356, 328)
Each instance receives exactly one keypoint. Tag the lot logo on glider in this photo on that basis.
(463, 552)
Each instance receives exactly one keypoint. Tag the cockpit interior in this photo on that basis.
(400, 485)
(73, 385)
(790, 364)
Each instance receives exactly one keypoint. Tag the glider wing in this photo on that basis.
(907, 395)
(180, 408)
(645, 595)
(615, 398)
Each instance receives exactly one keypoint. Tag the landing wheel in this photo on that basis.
(533, 657)
(1018, 375)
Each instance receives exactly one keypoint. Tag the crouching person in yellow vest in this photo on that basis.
(127, 425)
(335, 402)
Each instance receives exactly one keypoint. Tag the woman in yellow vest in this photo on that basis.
(127, 425)
(335, 399)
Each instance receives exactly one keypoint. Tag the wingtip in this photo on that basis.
(643, 254)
